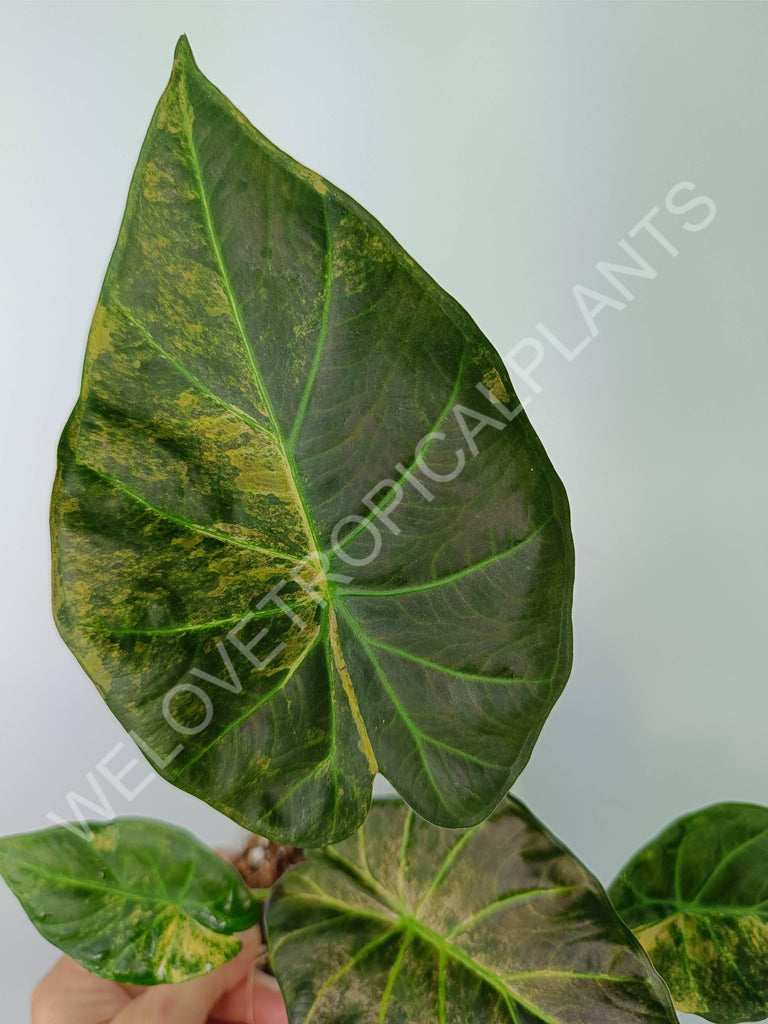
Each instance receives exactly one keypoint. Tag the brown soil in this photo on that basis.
(262, 862)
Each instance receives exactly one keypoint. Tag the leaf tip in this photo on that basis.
(183, 52)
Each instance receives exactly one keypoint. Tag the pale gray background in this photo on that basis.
(508, 147)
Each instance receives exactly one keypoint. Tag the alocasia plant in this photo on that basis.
(291, 535)
(303, 532)
(497, 923)
(697, 899)
(139, 901)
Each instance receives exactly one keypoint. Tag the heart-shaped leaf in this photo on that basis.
(498, 924)
(302, 530)
(697, 899)
(140, 901)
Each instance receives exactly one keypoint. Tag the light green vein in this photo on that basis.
(319, 896)
(694, 910)
(401, 860)
(347, 965)
(502, 904)
(417, 733)
(756, 993)
(441, 987)
(290, 443)
(316, 926)
(392, 977)
(387, 501)
(185, 524)
(134, 322)
(268, 696)
(292, 474)
(510, 1007)
(84, 883)
(317, 768)
(470, 676)
(444, 869)
(678, 869)
(494, 981)
(546, 972)
(444, 580)
(187, 627)
(727, 859)
(186, 884)
(364, 877)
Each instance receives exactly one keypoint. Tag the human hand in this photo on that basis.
(236, 993)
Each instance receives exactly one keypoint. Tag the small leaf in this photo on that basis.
(497, 924)
(697, 898)
(139, 902)
(293, 543)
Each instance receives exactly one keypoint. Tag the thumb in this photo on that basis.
(256, 1000)
(190, 1002)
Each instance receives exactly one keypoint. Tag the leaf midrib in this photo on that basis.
(418, 734)
(323, 334)
(292, 473)
(411, 926)
(139, 897)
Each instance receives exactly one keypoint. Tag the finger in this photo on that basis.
(256, 1000)
(69, 994)
(190, 1002)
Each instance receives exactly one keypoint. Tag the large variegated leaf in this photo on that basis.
(697, 899)
(498, 924)
(139, 902)
(294, 542)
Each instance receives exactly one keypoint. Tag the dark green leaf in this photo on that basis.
(265, 357)
(139, 902)
(406, 923)
(697, 899)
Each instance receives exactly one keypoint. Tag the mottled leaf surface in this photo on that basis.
(697, 899)
(139, 902)
(264, 363)
(407, 923)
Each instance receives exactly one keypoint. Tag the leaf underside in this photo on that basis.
(264, 358)
(498, 924)
(140, 902)
(697, 899)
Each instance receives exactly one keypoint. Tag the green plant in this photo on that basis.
(303, 532)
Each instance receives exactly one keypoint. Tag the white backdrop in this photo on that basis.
(509, 147)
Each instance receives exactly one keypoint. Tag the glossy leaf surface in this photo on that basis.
(498, 924)
(697, 899)
(266, 362)
(140, 902)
